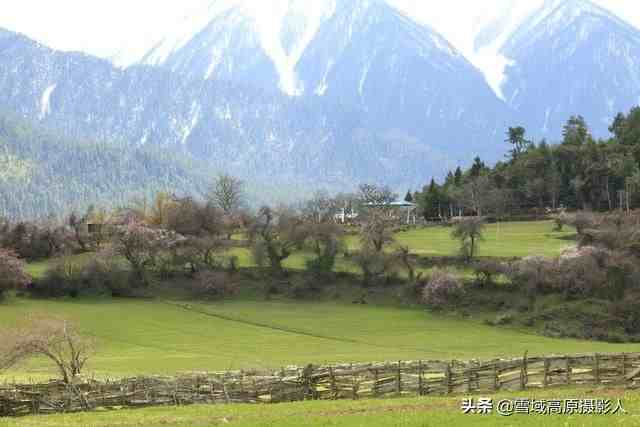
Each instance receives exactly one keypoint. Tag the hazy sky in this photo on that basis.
(102, 26)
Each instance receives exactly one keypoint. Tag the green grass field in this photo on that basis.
(416, 412)
(508, 239)
(152, 337)
(145, 337)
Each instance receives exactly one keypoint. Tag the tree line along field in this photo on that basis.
(414, 412)
(503, 240)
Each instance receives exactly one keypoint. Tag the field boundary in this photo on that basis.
(286, 329)
(330, 382)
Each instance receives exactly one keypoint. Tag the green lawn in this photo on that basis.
(147, 337)
(416, 412)
(508, 239)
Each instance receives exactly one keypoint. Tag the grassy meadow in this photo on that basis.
(405, 412)
(154, 337)
(167, 336)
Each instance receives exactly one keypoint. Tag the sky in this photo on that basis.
(104, 28)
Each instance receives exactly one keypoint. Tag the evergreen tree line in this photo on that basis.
(579, 173)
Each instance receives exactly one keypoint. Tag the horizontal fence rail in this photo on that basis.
(344, 381)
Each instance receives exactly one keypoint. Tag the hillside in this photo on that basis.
(568, 58)
(43, 174)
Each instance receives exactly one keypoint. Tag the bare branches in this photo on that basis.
(227, 194)
(55, 339)
(275, 235)
(469, 232)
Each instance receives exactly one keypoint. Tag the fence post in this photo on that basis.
(374, 389)
(523, 372)
(496, 377)
(568, 368)
(624, 366)
(420, 391)
(447, 378)
(399, 378)
(354, 384)
(545, 377)
(596, 368)
(334, 390)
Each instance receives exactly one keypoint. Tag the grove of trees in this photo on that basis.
(579, 173)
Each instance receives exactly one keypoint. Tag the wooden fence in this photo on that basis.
(346, 381)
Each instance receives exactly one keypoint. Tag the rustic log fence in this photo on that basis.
(347, 381)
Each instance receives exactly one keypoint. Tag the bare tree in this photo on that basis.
(78, 224)
(321, 208)
(55, 339)
(469, 232)
(376, 195)
(227, 194)
(377, 230)
(142, 246)
(275, 235)
(474, 194)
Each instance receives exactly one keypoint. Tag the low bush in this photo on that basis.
(443, 288)
(213, 285)
(12, 272)
(487, 271)
(63, 278)
(533, 275)
(102, 274)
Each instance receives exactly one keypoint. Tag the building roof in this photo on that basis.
(394, 204)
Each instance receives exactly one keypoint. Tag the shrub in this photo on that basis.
(104, 273)
(559, 222)
(63, 278)
(443, 288)
(486, 272)
(534, 275)
(373, 264)
(582, 272)
(12, 274)
(502, 319)
(626, 312)
(583, 221)
(213, 285)
(324, 241)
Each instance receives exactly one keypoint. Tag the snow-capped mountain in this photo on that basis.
(571, 57)
(233, 40)
(333, 92)
(404, 75)
(363, 54)
(228, 48)
(393, 99)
